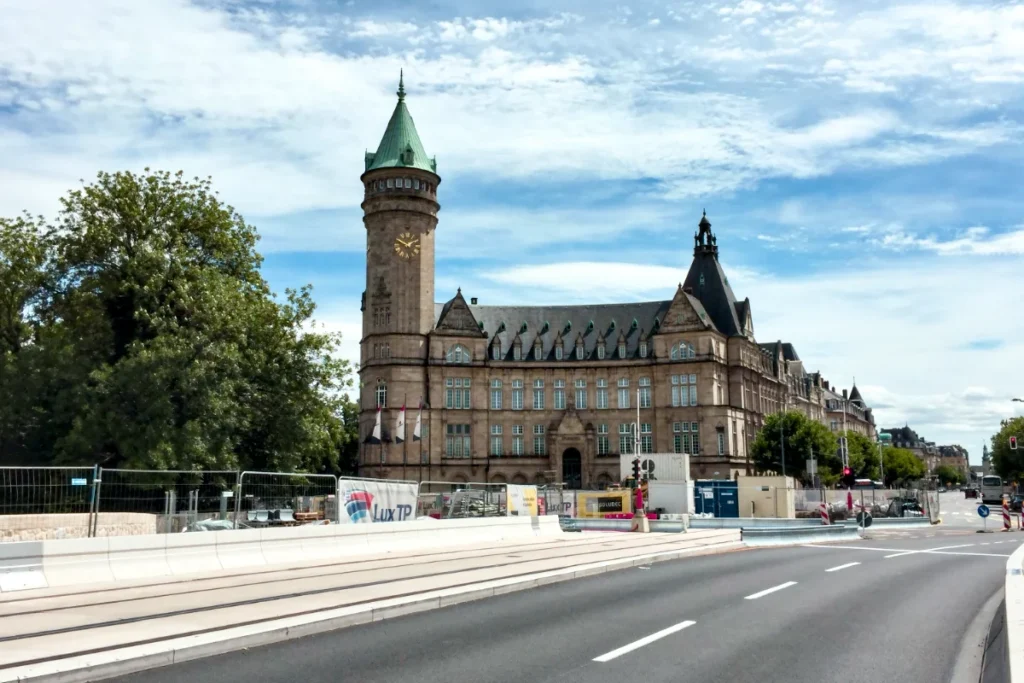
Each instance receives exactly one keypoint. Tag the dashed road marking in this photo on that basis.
(768, 591)
(843, 566)
(646, 640)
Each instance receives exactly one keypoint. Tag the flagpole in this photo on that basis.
(405, 447)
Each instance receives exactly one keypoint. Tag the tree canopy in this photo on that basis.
(949, 475)
(1009, 464)
(803, 438)
(901, 466)
(136, 330)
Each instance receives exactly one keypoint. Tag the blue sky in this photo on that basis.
(860, 162)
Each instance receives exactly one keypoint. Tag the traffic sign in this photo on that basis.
(983, 511)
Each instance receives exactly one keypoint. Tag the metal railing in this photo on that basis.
(445, 499)
(285, 498)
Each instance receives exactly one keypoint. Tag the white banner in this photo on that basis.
(363, 502)
(522, 501)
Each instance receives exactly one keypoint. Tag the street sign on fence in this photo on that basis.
(79, 481)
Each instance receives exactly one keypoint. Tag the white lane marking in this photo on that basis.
(990, 543)
(647, 640)
(927, 550)
(905, 552)
(766, 591)
(843, 566)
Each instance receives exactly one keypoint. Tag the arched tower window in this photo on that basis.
(458, 354)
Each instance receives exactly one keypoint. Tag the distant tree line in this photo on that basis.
(804, 438)
(137, 331)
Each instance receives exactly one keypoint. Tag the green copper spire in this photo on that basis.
(400, 147)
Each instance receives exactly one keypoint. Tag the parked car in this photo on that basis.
(970, 493)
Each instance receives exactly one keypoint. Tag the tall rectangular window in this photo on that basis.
(495, 394)
(645, 392)
(496, 441)
(681, 437)
(602, 394)
(539, 443)
(646, 438)
(626, 438)
(559, 394)
(456, 393)
(684, 390)
(538, 394)
(602, 439)
(517, 440)
(581, 394)
(623, 393)
(456, 441)
(694, 439)
(721, 443)
(517, 394)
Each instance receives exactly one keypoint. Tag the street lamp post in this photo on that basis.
(782, 439)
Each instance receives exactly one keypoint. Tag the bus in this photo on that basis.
(992, 489)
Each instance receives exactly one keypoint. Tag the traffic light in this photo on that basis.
(1013, 443)
(847, 479)
(636, 470)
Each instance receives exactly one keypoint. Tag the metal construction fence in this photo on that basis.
(38, 503)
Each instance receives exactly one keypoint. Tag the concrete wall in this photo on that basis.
(15, 528)
(766, 497)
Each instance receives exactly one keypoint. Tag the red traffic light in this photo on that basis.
(1013, 443)
(846, 471)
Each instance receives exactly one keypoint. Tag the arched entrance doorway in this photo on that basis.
(572, 469)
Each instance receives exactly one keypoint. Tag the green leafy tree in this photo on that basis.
(902, 466)
(803, 438)
(1009, 464)
(863, 454)
(158, 344)
(949, 475)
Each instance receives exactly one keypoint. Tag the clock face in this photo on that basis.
(407, 245)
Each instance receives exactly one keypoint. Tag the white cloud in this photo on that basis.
(977, 240)
(281, 116)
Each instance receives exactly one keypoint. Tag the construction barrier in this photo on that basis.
(792, 535)
(43, 564)
(1006, 515)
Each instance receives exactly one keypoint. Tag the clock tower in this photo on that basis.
(400, 214)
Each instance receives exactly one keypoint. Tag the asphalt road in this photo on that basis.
(873, 610)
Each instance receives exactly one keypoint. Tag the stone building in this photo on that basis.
(534, 394)
(849, 409)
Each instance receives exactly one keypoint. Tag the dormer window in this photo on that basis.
(622, 349)
(496, 350)
(538, 350)
(558, 352)
(643, 349)
(600, 351)
(579, 350)
(517, 352)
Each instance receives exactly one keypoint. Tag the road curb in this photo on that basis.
(110, 663)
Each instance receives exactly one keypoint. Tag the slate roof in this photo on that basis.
(707, 281)
(400, 147)
(788, 350)
(527, 322)
(855, 395)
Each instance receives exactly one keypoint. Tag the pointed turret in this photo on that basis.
(707, 281)
(400, 147)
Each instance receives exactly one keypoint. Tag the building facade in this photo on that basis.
(931, 454)
(528, 394)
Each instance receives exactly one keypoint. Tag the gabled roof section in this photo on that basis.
(745, 318)
(609, 322)
(706, 281)
(456, 319)
(400, 147)
(855, 395)
(686, 314)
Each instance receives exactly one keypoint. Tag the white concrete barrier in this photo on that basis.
(74, 561)
(192, 552)
(239, 548)
(21, 566)
(138, 557)
(1014, 596)
(41, 564)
